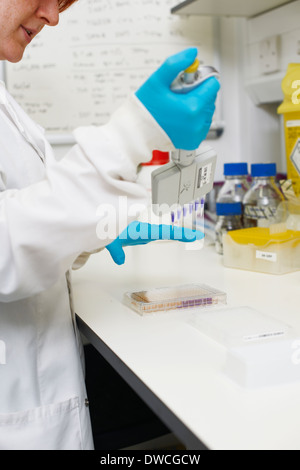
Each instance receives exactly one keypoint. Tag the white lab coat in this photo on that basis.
(48, 216)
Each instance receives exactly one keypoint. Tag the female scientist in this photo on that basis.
(48, 217)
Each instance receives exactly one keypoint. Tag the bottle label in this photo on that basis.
(259, 212)
(204, 175)
(292, 138)
(295, 156)
(266, 255)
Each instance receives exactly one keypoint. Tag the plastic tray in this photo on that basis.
(256, 249)
(173, 298)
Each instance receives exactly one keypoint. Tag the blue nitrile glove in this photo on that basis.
(186, 118)
(140, 233)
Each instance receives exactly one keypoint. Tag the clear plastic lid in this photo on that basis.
(173, 298)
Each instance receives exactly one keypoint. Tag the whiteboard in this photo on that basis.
(80, 71)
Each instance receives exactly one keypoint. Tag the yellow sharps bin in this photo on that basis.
(290, 109)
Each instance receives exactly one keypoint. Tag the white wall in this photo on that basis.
(228, 145)
(2, 70)
(272, 42)
(252, 132)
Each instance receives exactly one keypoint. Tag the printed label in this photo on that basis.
(204, 175)
(293, 123)
(295, 155)
(266, 255)
(260, 212)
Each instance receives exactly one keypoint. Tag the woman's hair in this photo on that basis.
(64, 4)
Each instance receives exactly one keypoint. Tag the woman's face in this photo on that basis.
(20, 21)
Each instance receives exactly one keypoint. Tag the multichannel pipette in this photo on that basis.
(181, 185)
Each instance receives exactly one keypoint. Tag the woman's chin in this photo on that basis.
(13, 54)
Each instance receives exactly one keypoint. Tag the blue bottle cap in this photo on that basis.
(263, 169)
(231, 169)
(230, 208)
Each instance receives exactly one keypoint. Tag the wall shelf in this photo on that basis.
(239, 8)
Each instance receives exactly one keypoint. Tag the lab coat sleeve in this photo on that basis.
(82, 259)
(86, 199)
(132, 131)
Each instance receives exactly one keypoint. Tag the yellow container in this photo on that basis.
(257, 249)
(290, 109)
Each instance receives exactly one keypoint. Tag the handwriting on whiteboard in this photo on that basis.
(80, 71)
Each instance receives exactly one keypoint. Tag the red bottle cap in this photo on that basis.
(158, 158)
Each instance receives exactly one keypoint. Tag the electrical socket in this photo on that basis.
(269, 55)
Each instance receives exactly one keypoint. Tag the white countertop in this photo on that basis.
(183, 367)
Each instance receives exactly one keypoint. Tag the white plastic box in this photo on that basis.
(259, 351)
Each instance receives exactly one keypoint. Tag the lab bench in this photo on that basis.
(177, 369)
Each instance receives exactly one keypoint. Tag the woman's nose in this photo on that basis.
(48, 11)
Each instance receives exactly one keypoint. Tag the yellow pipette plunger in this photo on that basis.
(191, 77)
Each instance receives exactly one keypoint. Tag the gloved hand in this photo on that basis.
(140, 233)
(186, 118)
